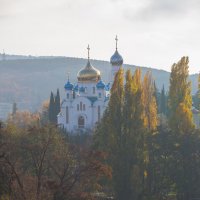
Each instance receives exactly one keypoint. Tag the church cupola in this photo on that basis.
(69, 86)
(69, 89)
(100, 85)
(82, 89)
(116, 62)
(88, 73)
(76, 88)
(116, 59)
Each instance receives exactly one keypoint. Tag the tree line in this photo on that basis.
(145, 147)
(40, 162)
(151, 158)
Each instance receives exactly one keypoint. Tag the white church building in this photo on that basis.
(85, 101)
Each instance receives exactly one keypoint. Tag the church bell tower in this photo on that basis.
(116, 62)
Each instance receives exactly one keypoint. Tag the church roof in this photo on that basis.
(76, 87)
(88, 73)
(107, 87)
(116, 59)
(68, 86)
(100, 85)
(92, 99)
(82, 89)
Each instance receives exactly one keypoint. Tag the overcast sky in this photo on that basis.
(153, 33)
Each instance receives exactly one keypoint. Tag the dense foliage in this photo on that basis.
(144, 148)
(149, 158)
(54, 107)
(40, 163)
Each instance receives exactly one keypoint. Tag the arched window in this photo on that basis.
(67, 115)
(81, 106)
(81, 122)
(93, 90)
(67, 95)
(99, 113)
(99, 95)
(77, 107)
(84, 107)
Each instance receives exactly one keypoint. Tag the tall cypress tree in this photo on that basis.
(156, 94)
(51, 108)
(180, 99)
(120, 134)
(109, 133)
(57, 104)
(14, 109)
(163, 101)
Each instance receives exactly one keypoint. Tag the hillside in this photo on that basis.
(29, 80)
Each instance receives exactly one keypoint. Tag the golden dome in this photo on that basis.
(88, 74)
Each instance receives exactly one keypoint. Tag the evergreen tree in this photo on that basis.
(52, 108)
(163, 101)
(180, 100)
(57, 104)
(14, 109)
(156, 95)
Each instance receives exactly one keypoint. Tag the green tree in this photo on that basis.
(156, 95)
(52, 108)
(115, 129)
(163, 104)
(120, 135)
(109, 133)
(14, 108)
(57, 104)
(180, 100)
(39, 163)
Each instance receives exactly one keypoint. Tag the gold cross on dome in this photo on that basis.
(88, 48)
(116, 41)
(68, 75)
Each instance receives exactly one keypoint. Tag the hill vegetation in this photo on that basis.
(28, 81)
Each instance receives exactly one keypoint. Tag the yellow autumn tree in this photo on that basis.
(149, 101)
(180, 99)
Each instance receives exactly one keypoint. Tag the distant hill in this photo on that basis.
(29, 80)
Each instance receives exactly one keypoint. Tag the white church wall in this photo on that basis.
(90, 89)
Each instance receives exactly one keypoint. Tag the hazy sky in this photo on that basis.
(153, 33)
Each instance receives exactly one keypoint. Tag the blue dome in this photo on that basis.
(76, 88)
(108, 87)
(82, 89)
(116, 59)
(68, 86)
(100, 85)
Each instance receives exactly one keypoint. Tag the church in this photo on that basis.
(86, 100)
